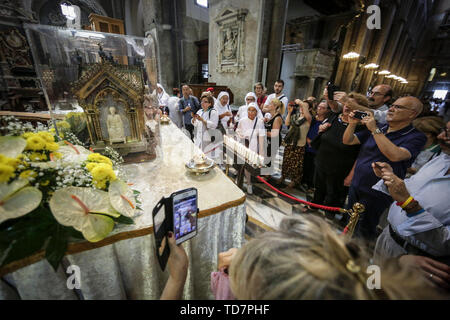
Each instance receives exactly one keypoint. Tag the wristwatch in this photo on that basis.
(377, 131)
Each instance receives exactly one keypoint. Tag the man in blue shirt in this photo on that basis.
(397, 143)
(188, 104)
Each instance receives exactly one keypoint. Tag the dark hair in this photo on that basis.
(176, 91)
(209, 98)
(280, 81)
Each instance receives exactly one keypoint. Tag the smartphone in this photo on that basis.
(185, 204)
(331, 88)
(359, 114)
(161, 227)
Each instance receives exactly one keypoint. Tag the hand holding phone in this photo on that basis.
(359, 114)
(184, 204)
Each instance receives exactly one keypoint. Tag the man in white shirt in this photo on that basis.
(419, 223)
(278, 93)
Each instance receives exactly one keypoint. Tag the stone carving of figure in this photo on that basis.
(115, 127)
(229, 45)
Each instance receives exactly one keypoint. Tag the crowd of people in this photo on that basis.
(391, 155)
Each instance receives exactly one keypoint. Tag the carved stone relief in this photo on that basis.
(230, 46)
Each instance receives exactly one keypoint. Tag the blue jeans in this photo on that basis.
(375, 203)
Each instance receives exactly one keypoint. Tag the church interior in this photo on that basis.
(224, 150)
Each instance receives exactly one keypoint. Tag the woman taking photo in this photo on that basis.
(298, 120)
(334, 160)
(204, 120)
(275, 108)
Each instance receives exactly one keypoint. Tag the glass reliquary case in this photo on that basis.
(106, 76)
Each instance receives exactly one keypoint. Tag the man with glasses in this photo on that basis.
(397, 143)
(378, 98)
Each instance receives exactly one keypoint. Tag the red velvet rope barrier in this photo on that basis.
(299, 200)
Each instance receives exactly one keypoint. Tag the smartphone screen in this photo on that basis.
(185, 215)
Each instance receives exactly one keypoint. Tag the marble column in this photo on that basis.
(276, 38)
(310, 87)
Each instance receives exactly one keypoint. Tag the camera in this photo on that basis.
(360, 115)
(331, 88)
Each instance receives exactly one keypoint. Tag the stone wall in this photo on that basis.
(240, 82)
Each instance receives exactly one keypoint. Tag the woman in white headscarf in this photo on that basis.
(223, 109)
(242, 112)
(163, 98)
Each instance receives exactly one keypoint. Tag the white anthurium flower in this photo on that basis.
(122, 198)
(85, 209)
(12, 146)
(74, 153)
(16, 200)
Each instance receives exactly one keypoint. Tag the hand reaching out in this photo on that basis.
(324, 127)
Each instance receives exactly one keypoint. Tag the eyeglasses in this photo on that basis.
(374, 93)
(399, 107)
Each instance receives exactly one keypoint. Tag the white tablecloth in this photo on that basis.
(128, 268)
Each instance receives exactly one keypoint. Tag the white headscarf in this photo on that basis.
(222, 109)
(163, 97)
(250, 94)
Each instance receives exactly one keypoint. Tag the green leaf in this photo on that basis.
(138, 208)
(71, 232)
(56, 247)
(136, 191)
(124, 220)
(31, 240)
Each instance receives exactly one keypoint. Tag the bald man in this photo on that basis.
(397, 143)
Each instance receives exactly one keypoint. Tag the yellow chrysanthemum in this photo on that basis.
(35, 143)
(26, 135)
(55, 155)
(36, 156)
(100, 184)
(45, 183)
(9, 161)
(63, 124)
(91, 165)
(97, 157)
(6, 172)
(51, 146)
(103, 171)
(47, 136)
(27, 174)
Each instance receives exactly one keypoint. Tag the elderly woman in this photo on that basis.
(205, 120)
(242, 112)
(163, 98)
(298, 119)
(224, 110)
(431, 127)
(252, 131)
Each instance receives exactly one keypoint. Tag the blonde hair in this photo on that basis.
(308, 259)
(278, 105)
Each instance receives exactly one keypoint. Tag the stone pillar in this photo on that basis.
(276, 38)
(156, 14)
(310, 88)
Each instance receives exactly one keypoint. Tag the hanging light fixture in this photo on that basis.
(351, 56)
(371, 66)
(384, 72)
(68, 11)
